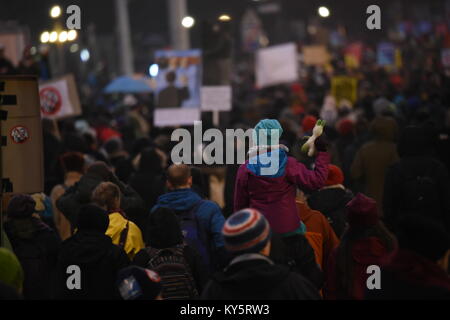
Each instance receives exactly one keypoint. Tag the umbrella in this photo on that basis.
(127, 84)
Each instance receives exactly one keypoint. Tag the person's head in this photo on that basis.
(164, 230)
(267, 132)
(171, 76)
(107, 196)
(113, 146)
(150, 161)
(135, 283)
(335, 175)
(423, 236)
(73, 162)
(21, 206)
(179, 177)
(11, 272)
(92, 218)
(247, 231)
(99, 170)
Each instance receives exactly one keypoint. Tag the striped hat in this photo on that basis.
(246, 231)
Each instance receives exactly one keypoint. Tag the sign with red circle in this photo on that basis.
(51, 101)
(19, 134)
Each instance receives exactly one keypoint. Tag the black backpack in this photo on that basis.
(176, 277)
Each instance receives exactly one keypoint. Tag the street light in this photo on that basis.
(224, 18)
(72, 35)
(188, 22)
(153, 70)
(45, 37)
(53, 36)
(324, 12)
(84, 55)
(55, 11)
(62, 36)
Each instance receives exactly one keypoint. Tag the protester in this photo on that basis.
(418, 183)
(136, 283)
(319, 233)
(97, 258)
(35, 245)
(367, 242)
(252, 274)
(419, 269)
(374, 157)
(332, 199)
(73, 165)
(274, 194)
(123, 232)
(80, 194)
(202, 220)
(180, 266)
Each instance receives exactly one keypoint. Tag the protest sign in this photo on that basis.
(59, 98)
(276, 65)
(386, 54)
(343, 87)
(353, 54)
(216, 98)
(315, 55)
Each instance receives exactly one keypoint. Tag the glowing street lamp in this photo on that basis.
(72, 35)
(224, 18)
(55, 11)
(324, 12)
(45, 37)
(53, 36)
(188, 22)
(62, 36)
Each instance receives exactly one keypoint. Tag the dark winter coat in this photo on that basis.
(36, 246)
(257, 278)
(99, 261)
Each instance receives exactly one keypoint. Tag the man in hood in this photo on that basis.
(207, 214)
(251, 274)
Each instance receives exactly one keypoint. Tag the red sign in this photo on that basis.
(51, 101)
(19, 134)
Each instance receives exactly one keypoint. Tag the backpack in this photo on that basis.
(176, 277)
(194, 234)
(419, 192)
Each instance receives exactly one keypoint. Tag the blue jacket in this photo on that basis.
(208, 213)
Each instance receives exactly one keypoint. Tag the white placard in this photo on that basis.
(276, 65)
(59, 98)
(176, 116)
(216, 98)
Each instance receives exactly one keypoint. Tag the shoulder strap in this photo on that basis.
(124, 235)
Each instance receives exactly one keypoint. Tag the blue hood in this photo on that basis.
(182, 199)
(254, 164)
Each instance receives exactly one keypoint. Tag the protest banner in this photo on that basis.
(216, 98)
(343, 87)
(386, 54)
(59, 98)
(177, 87)
(315, 55)
(353, 54)
(276, 65)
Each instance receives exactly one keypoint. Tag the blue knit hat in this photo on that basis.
(246, 231)
(269, 128)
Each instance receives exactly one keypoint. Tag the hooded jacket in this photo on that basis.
(256, 277)
(99, 261)
(274, 194)
(411, 276)
(36, 246)
(208, 213)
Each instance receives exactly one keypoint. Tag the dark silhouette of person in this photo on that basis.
(171, 96)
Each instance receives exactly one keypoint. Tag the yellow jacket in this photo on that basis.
(134, 242)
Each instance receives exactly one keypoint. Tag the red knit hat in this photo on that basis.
(335, 175)
(362, 212)
(308, 123)
(345, 127)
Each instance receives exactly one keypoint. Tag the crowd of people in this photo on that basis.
(119, 220)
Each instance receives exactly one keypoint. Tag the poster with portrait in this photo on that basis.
(177, 87)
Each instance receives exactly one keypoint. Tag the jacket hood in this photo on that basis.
(86, 247)
(384, 128)
(371, 251)
(264, 159)
(178, 200)
(414, 268)
(247, 275)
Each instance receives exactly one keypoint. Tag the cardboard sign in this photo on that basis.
(216, 98)
(59, 98)
(343, 87)
(276, 65)
(171, 117)
(315, 55)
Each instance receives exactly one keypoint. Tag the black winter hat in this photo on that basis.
(21, 206)
(92, 218)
